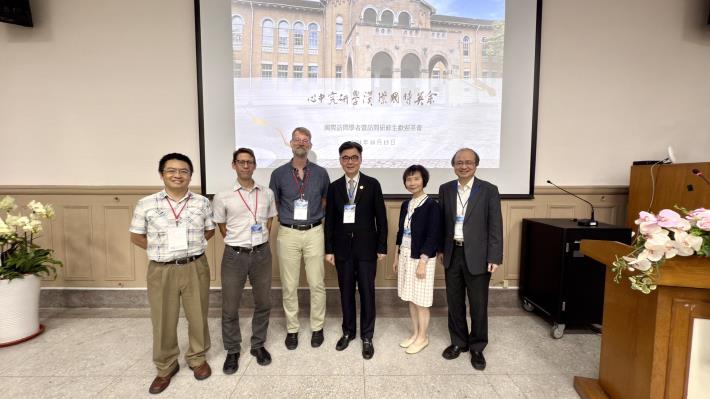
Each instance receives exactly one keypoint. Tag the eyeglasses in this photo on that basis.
(181, 172)
(302, 141)
(245, 163)
(459, 164)
(353, 158)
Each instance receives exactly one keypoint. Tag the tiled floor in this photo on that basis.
(108, 354)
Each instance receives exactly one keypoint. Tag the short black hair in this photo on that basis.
(243, 150)
(176, 156)
(475, 154)
(350, 145)
(414, 169)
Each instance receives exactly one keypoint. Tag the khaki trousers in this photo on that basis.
(167, 285)
(292, 245)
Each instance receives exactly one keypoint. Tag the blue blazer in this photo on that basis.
(425, 226)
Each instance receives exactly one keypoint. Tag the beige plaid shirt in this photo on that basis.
(153, 216)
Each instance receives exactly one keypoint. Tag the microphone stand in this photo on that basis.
(580, 222)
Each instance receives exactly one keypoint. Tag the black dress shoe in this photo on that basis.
(478, 361)
(317, 338)
(368, 350)
(291, 341)
(263, 357)
(343, 342)
(231, 363)
(453, 351)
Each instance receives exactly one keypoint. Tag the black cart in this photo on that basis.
(556, 280)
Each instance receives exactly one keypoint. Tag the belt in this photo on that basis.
(182, 261)
(248, 250)
(458, 243)
(301, 226)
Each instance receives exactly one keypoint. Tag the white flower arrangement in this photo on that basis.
(662, 237)
(19, 255)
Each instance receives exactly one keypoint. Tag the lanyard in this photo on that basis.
(256, 205)
(463, 204)
(301, 186)
(177, 215)
(410, 215)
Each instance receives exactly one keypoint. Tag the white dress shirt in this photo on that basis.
(463, 191)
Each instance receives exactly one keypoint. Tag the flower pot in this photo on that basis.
(19, 310)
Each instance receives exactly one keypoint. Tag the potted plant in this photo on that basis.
(21, 263)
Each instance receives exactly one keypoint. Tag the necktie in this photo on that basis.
(351, 190)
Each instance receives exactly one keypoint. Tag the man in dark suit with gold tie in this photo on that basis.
(355, 239)
(472, 246)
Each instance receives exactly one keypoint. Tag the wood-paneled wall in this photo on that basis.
(90, 232)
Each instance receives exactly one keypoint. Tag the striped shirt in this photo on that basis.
(154, 215)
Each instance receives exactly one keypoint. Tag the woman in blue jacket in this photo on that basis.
(417, 242)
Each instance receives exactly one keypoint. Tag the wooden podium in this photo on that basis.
(656, 187)
(646, 340)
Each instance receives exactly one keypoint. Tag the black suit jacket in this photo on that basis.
(482, 225)
(368, 235)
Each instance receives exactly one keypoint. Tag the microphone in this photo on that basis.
(581, 222)
(701, 175)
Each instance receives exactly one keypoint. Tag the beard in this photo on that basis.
(300, 152)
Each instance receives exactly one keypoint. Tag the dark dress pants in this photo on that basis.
(460, 283)
(236, 267)
(352, 272)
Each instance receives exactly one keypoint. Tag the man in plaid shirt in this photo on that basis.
(173, 226)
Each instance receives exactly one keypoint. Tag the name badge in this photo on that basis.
(458, 227)
(257, 234)
(177, 238)
(406, 241)
(407, 232)
(349, 214)
(300, 209)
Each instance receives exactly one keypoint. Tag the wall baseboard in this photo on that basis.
(387, 300)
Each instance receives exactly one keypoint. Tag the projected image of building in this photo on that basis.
(361, 39)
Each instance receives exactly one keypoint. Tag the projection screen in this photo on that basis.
(411, 81)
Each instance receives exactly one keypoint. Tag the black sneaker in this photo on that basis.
(231, 363)
(317, 338)
(263, 357)
(291, 341)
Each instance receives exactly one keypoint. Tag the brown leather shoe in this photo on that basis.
(202, 371)
(160, 383)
